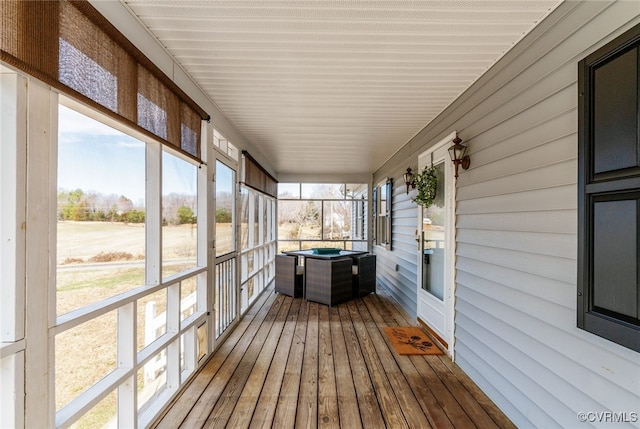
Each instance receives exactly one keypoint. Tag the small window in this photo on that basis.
(358, 211)
(609, 192)
(382, 207)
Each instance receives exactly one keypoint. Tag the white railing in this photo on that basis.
(154, 326)
(225, 294)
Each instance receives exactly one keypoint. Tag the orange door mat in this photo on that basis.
(411, 340)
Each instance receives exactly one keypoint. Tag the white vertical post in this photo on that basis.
(153, 217)
(206, 200)
(13, 119)
(205, 239)
(153, 222)
(127, 398)
(252, 220)
(52, 226)
(261, 223)
(237, 207)
(40, 254)
(205, 188)
(370, 219)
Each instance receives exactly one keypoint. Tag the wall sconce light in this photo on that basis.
(457, 152)
(408, 179)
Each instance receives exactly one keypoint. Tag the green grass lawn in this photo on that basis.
(86, 353)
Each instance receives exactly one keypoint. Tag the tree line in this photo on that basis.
(78, 205)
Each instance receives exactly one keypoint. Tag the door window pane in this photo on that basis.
(225, 204)
(433, 218)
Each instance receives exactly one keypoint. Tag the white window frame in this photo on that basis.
(28, 190)
(387, 187)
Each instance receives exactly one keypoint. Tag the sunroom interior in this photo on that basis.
(157, 156)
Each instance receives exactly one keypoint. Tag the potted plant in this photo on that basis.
(426, 184)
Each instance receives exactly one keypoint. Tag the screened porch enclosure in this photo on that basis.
(141, 147)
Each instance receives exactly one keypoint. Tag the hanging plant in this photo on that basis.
(426, 184)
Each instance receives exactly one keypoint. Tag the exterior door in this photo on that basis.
(226, 291)
(436, 248)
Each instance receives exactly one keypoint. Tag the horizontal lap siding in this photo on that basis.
(516, 333)
(401, 283)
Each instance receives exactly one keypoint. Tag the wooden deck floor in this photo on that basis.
(292, 363)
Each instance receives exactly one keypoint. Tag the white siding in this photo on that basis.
(516, 333)
(396, 270)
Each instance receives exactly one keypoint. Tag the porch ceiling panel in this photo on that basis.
(328, 87)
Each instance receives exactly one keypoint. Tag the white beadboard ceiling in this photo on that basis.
(334, 87)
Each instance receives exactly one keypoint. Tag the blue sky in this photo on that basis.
(98, 158)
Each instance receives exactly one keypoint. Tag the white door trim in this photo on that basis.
(446, 330)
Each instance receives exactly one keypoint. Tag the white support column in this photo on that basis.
(40, 254)
(127, 397)
(52, 226)
(13, 167)
(205, 190)
(13, 119)
(237, 208)
(206, 291)
(205, 223)
(153, 217)
(252, 220)
(370, 220)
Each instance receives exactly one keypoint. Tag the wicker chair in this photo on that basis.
(288, 276)
(328, 281)
(364, 275)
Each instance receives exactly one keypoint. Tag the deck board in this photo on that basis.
(288, 398)
(291, 363)
(428, 402)
(403, 389)
(193, 392)
(307, 412)
(248, 399)
(348, 407)
(266, 408)
(328, 416)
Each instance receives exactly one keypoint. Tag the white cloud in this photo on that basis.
(76, 123)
